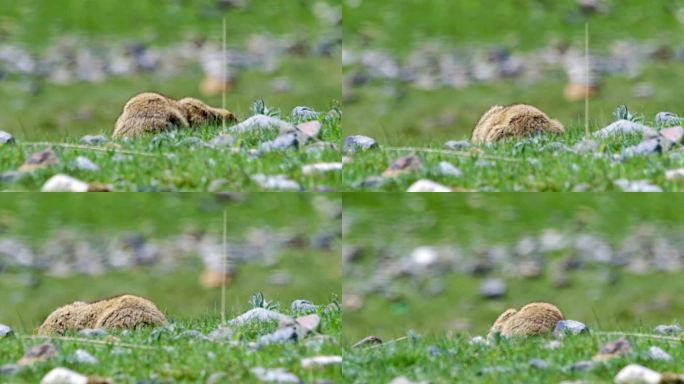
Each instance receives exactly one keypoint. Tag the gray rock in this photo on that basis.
(274, 375)
(221, 334)
(448, 169)
(457, 145)
(625, 127)
(302, 114)
(656, 353)
(11, 176)
(673, 134)
(359, 143)
(6, 138)
(276, 182)
(262, 122)
(647, 147)
(668, 119)
(85, 164)
(538, 363)
(192, 142)
(672, 329)
(217, 185)
(84, 357)
(260, 315)
(303, 306)
(372, 182)
(570, 327)
(586, 146)
(94, 140)
(637, 186)
(222, 141)
(191, 334)
(282, 335)
(10, 369)
(5, 331)
(92, 333)
(283, 142)
(581, 366)
(493, 289)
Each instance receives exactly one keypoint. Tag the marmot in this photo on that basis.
(153, 113)
(514, 120)
(121, 312)
(532, 319)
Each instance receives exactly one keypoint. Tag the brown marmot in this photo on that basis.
(121, 312)
(532, 319)
(153, 113)
(513, 121)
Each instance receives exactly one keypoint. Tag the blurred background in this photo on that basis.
(424, 71)
(167, 247)
(67, 67)
(439, 264)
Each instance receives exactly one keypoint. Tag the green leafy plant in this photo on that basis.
(623, 113)
(259, 107)
(259, 301)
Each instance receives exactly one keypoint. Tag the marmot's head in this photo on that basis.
(62, 319)
(199, 113)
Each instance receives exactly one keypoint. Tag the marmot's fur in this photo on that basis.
(513, 121)
(532, 319)
(121, 312)
(153, 113)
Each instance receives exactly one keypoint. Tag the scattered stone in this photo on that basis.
(372, 182)
(581, 366)
(63, 376)
(673, 134)
(85, 164)
(303, 306)
(405, 380)
(277, 182)
(281, 335)
(281, 143)
(359, 143)
(10, 369)
(222, 141)
(260, 122)
(217, 378)
(672, 329)
(64, 183)
(94, 140)
(674, 174)
(42, 159)
(613, 349)
(217, 185)
(311, 169)
(11, 176)
(637, 374)
(493, 289)
(448, 169)
(261, 315)
(647, 147)
(403, 165)
(221, 334)
(668, 119)
(637, 186)
(303, 114)
(656, 353)
(83, 356)
(320, 361)
(6, 138)
(586, 146)
(539, 363)
(425, 185)
(459, 145)
(274, 375)
(367, 342)
(570, 327)
(5, 331)
(478, 340)
(625, 127)
(311, 130)
(39, 352)
(553, 344)
(191, 334)
(309, 323)
(92, 332)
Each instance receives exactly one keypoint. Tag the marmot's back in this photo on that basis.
(149, 113)
(532, 319)
(513, 121)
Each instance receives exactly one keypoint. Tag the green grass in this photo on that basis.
(163, 356)
(440, 359)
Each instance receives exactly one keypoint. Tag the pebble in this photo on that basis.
(493, 289)
(42, 159)
(217, 378)
(581, 366)
(672, 329)
(312, 169)
(6, 138)
(425, 185)
(39, 352)
(64, 183)
(274, 375)
(459, 145)
(303, 306)
(303, 114)
(9, 369)
(320, 361)
(222, 141)
(221, 334)
(637, 186)
(276, 182)
(283, 142)
(586, 146)
(83, 356)
(94, 140)
(403, 165)
(570, 327)
(553, 344)
(625, 127)
(674, 174)
(538, 363)
(260, 315)
(647, 147)
(668, 119)
(359, 143)
(448, 169)
(11, 176)
(217, 185)
(85, 164)
(281, 335)
(63, 376)
(614, 349)
(637, 374)
(5, 331)
(478, 340)
(656, 353)
(92, 332)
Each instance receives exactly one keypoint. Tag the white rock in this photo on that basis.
(427, 186)
(311, 169)
(625, 127)
(675, 174)
(85, 164)
(424, 256)
(277, 182)
(320, 361)
(259, 315)
(63, 376)
(5, 331)
(657, 353)
(448, 169)
(274, 375)
(64, 183)
(637, 374)
(637, 186)
(258, 122)
(83, 356)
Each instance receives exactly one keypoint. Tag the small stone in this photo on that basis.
(221, 334)
(668, 119)
(321, 361)
(367, 341)
(83, 356)
(637, 374)
(493, 289)
(656, 353)
(403, 165)
(92, 333)
(94, 140)
(85, 164)
(5, 331)
(303, 114)
(222, 141)
(262, 122)
(217, 185)
(613, 349)
(39, 352)
(312, 129)
(6, 138)
(217, 378)
(459, 145)
(42, 159)
(645, 148)
(637, 186)
(581, 366)
(11, 176)
(538, 363)
(674, 134)
(311, 169)
(274, 375)
(672, 329)
(282, 335)
(277, 182)
(625, 127)
(9, 369)
(260, 315)
(553, 344)
(425, 185)
(309, 323)
(448, 169)
(281, 143)
(359, 143)
(63, 376)
(372, 182)
(570, 327)
(586, 146)
(64, 183)
(303, 306)
(478, 340)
